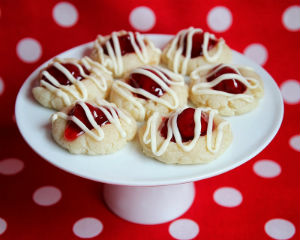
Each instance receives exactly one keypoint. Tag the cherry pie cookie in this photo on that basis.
(149, 89)
(191, 48)
(229, 89)
(187, 136)
(86, 128)
(123, 51)
(64, 81)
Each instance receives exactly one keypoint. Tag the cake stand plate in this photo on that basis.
(133, 178)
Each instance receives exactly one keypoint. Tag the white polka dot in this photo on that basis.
(278, 228)
(267, 168)
(228, 197)
(257, 52)
(291, 18)
(219, 19)
(142, 18)
(290, 90)
(295, 142)
(11, 166)
(65, 14)
(29, 50)
(2, 86)
(47, 195)
(3, 226)
(184, 229)
(87, 227)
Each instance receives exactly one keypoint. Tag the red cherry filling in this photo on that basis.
(228, 85)
(186, 125)
(72, 131)
(125, 44)
(61, 77)
(138, 80)
(197, 43)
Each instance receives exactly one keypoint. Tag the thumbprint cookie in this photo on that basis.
(193, 47)
(186, 136)
(149, 89)
(89, 128)
(123, 51)
(229, 89)
(65, 81)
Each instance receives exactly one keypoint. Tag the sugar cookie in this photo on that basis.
(87, 128)
(191, 48)
(187, 136)
(149, 89)
(124, 51)
(64, 81)
(229, 89)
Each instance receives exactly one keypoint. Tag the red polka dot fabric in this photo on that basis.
(258, 200)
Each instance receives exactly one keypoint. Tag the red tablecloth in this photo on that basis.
(258, 200)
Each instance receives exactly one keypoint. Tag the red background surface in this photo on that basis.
(257, 21)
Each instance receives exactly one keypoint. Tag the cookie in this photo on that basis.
(232, 90)
(124, 51)
(149, 89)
(87, 128)
(64, 81)
(193, 47)
(186, 136)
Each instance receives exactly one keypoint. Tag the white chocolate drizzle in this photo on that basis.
(205, 87)
(113, 115)
(79, 91)
(152, 130)
(114, 59)
(160, 78)
(176, 48)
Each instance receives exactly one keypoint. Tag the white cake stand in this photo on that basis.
(137, 188)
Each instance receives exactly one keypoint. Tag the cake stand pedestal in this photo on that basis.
(149, 205)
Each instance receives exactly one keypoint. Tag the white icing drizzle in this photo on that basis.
(80, 91)
(161, 80)
(206, 87)
(114, 60)
(176, 48)
(98, 70)
(113, 115)
(152, 129)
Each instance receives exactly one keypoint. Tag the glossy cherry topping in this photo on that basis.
(61, 77)
(125, 44)
(138, 80)
(228, 85)
(72, 131)
(197, 43)
(186, 125)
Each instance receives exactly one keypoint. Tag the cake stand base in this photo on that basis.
(149, 205)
